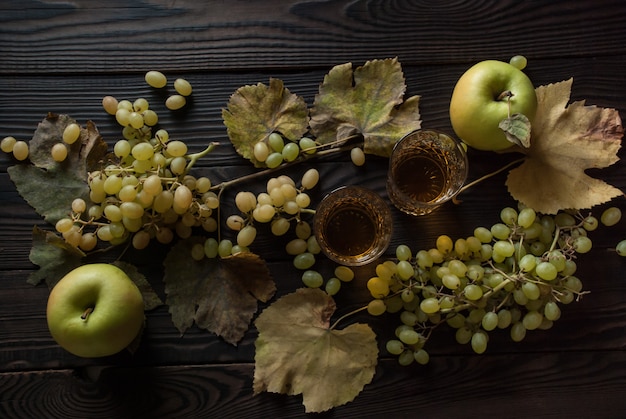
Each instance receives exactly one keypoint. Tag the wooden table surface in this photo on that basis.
(63, 57)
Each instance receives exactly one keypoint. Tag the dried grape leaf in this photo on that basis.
(255, 111)
(48, 186)
(150, 298)
(219, 294)
(565, 141)
(54, 256)
(367, 101)
(517, 129)
(298, 353)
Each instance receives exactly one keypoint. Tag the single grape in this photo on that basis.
(276, 142)
(58, 152)
(403, 252)
(483, 234)
(304, 260)
(376, 307)
(344, 273)
(175, 102)
(518, 332)
(246, 236)
(490, 321)
(479, 342)
(155, 79)
(310, 179)
(109, 104)
(274, 160)
(582, 244)
(307, 145)
(79, 205)
(211, 248)
(290, 152)
(394, 346)
(176, 148)
(508, 215)
(406, 358)
(620, 248)
(64, 225)
(357, 156)
(296, 247)
(409, 336)
(444, 244)
(532, 320)
(112, 184)
(142, 151)
(20, 150)
(546, 271)
(421, 357)
(71, 133)
(333, 285)
(183, 87)
(224, 248)
(150, 117)
(500, 231)
(526, 217)
(280, 226)
(312, 279)
(429, 305)
(518, 61)
(473, 292)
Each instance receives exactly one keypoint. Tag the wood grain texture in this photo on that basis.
(63, 57)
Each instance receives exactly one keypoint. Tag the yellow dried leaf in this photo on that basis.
(565, 141)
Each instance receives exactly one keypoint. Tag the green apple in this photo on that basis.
(95, 310)
(480, 101)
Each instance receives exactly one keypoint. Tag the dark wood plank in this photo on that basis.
(295, 33)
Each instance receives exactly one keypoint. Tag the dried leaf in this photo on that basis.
(368, 101)
(517, 129)
(54, 256)
(150, 298)
(297, 352)
(48, 186)
(566, 140)
(220, 294)
(255, 111)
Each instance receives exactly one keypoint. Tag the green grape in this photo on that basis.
(276, 142)
(176, 148)
(303, 230)
(520, 297)
(532, 320)
(421, 357)
(483, 234)
(135, 120)
(463, 335)
(546, 271)
(429, 305)
(394, 346)
(558, 259)
(64, 225)
(211, 248)
(182, 87)
(246, 236)
(344, 273)
(280, 226)
(203, 184)
(527, 263)
(476, 315)
(551, 311)
(357, 156)
(590, 223)
(531, 290)
(457, 267)
(378, 287)
(573, 283)
(409, 318)
(296, 247)
(304, 260)
(245, 201)
(88, 242)
(409, 337)
(518, 332)
(526, 217)
(131, 210)
(121, 148)
(307, 145)
(113, 213)
(508, 215)
(274, 160)
(264, 213)
(406, 358)
(376, 307)
(303, 200)
(290, 152)
(150, 117)
(461, 248)
(456, 320)
(405, 270)
(71, 133)
(444, 244)
(518, 61)
(142, 151)
(225, 248)
(312, 279)
(473, 244)
(564, 219)
(109, 104)
(582, 244)
(333, 285)
(163, 201)
(7, 144)
(620, 248)
(122, 116)
(312, 245)
(451, 281)
(197, 250)
(403, 252)
(504, 318)
(479, 342)
(424, 259)
(310, 178)
(473, 292)
(58, 152)
(112, 184)
(500, 231)
(155, 79)
(490, 321)
(407, 295)
(175, 102)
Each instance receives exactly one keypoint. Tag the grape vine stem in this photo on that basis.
(485, 177)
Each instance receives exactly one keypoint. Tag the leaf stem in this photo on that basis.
(347, 315)
(485, 177)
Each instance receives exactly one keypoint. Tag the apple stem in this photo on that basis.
(508, 95)
(86, 313)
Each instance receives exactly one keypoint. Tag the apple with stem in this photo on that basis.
(486, 94)
(95, 310)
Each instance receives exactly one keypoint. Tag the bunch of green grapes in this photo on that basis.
(273, 150)
(514, 275)
(146, 193)
(281, 204)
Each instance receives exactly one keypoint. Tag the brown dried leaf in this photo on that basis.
(565, 141)
(366, 101)
(256, 111)
(297, 352)
(220, 294)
